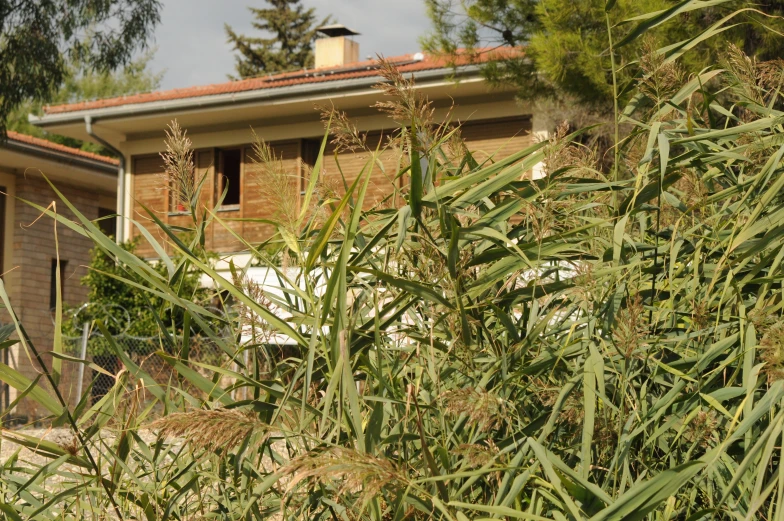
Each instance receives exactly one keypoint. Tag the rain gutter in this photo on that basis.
(120, 233)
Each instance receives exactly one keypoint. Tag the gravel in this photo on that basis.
(60, 435)
(64, 437)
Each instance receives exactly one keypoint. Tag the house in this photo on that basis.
(281, 109)
(28, 255)
(220, 120)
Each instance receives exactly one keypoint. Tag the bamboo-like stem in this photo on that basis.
(77, 432)
(617, 136)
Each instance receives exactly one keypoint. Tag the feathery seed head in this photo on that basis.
(354, 473)
(218, 429)
(483, 409)
(179, 168)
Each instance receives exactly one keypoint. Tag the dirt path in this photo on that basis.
(62, 436)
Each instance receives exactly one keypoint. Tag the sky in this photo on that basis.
(192, 49)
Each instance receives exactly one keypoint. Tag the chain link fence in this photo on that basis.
(100, 375)
(91, 363)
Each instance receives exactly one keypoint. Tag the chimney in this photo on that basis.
(335, 48)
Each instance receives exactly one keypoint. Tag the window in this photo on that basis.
(229, 179)
(5, 389)
(2, 228)
(310, 152)
(107, 221)
(53, 282)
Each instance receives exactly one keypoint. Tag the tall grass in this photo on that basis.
(581, 346)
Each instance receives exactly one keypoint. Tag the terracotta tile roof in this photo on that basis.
(408, 63)
(38, 142)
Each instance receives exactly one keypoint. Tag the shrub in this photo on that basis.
(129, 314)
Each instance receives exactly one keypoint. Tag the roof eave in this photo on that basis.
(244, 97)
(60, 157)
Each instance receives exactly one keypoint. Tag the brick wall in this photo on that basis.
(30, 284)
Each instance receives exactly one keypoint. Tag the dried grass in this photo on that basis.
(345, 135)
(630, 329)
(772, 354)
(179, 170)
(660, 79)
(217, 429)
(354, 473)
(407, 104)
(482, 408)
(561, 153)
(278, 186)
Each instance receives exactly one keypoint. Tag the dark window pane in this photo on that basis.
(53, 282)
(231, 162)
(107, 224)
(2, 228)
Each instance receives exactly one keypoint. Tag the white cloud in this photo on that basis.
(192, 48)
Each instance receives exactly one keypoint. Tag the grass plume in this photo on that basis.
(179, 170)
(358, 474)
(217, 429)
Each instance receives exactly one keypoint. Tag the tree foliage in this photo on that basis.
(39, 39)
(566, 49)
(83, 84)
(290, 30)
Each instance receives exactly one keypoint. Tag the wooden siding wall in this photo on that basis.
(149, 191)
(486, 139)
(352, 164)
(257, 200)
(497, 139)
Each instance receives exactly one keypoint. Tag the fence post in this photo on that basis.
(80, 379)
(5, 389)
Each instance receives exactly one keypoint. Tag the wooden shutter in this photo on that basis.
(148, 189)
(497, 139)
(382, 177)
(259, 202)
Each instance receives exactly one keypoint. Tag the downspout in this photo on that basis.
(88, 125)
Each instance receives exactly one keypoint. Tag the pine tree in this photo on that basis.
(292, 29)
(566, 47)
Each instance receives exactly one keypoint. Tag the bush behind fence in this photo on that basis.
(91, 363)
